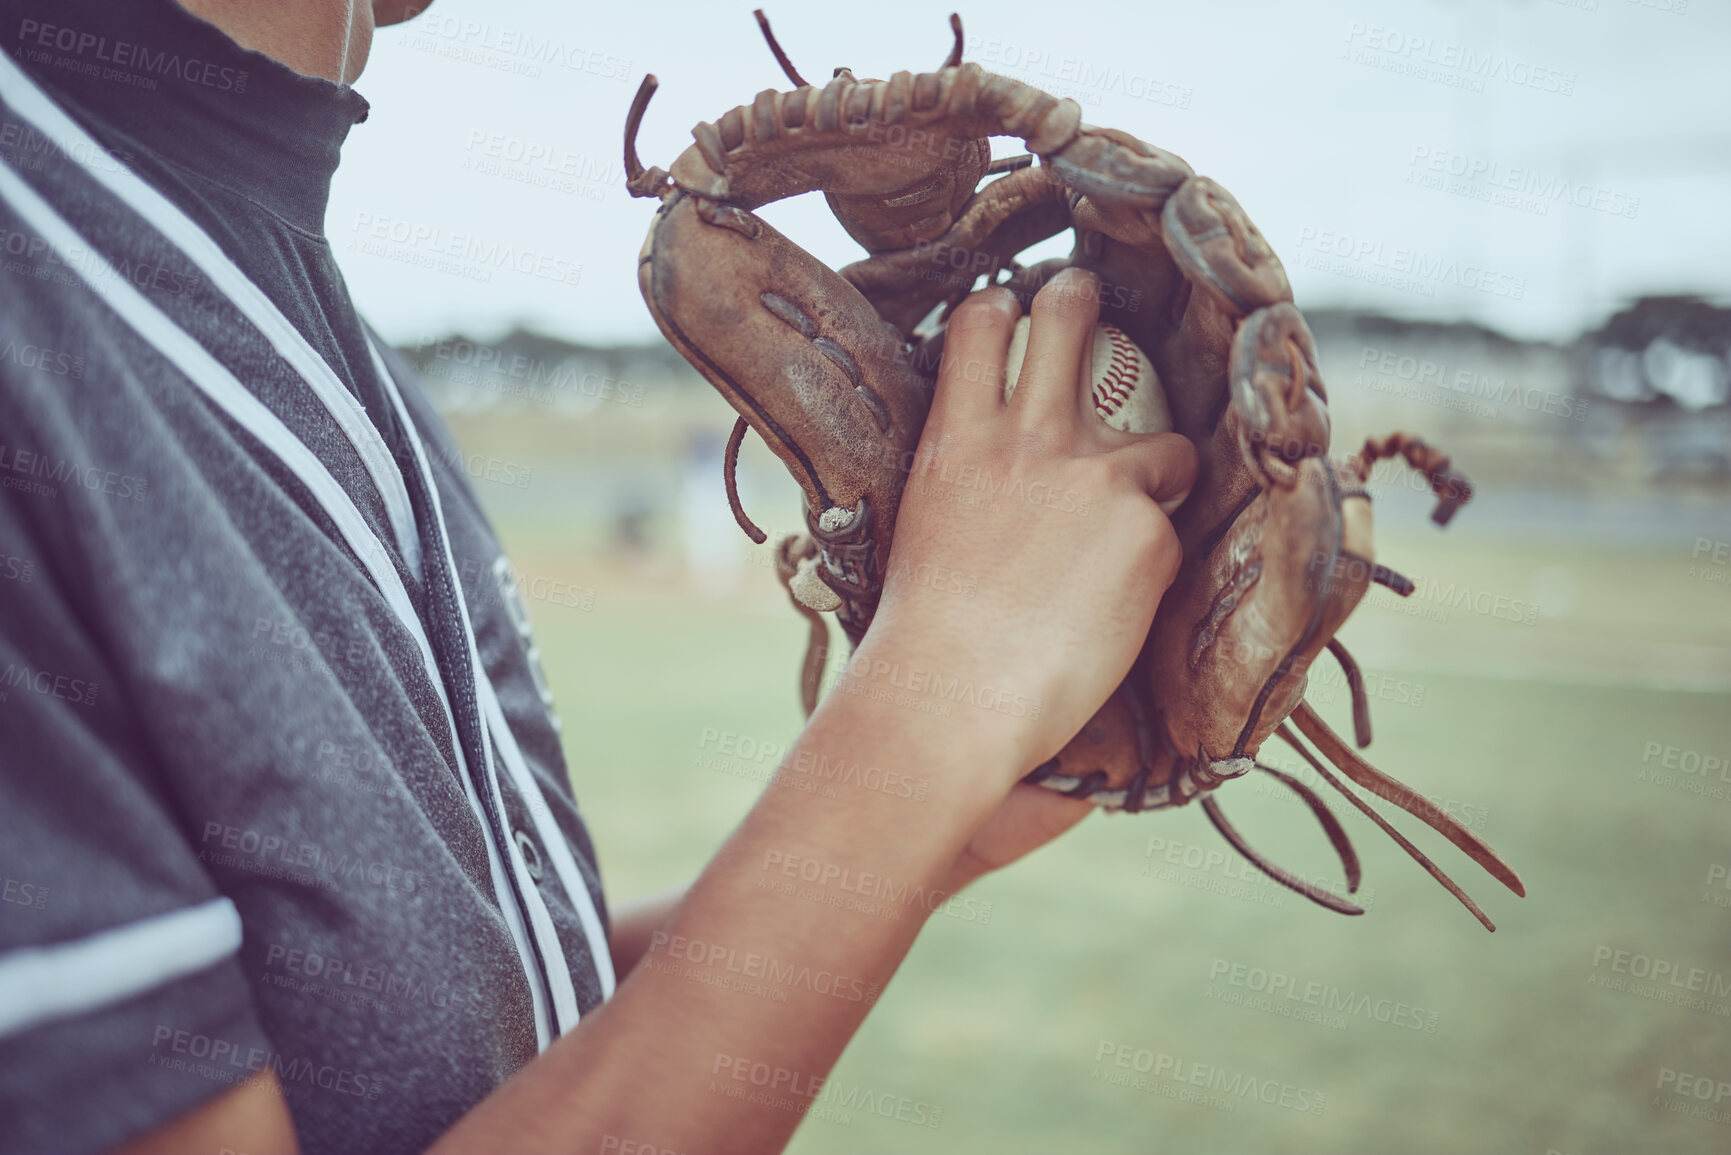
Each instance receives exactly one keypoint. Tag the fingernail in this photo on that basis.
(998, 299)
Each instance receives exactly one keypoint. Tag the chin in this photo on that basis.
(396, 11)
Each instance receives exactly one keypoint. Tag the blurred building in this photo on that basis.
(626, 439)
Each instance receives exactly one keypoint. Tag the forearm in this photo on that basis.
(836, 885)
(840, 885)
(634, 925)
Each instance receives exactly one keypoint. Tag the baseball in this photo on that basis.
(1127, 393)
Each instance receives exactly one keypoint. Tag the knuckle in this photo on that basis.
(976, 371)
(1032, 439)
(1057, 303)
(1158, 547)
(987, 309)
(1072, 293)
(1178, 454)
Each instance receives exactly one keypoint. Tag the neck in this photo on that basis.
(324, 38)
(235, 105)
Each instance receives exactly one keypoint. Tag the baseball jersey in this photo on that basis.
(281, 786)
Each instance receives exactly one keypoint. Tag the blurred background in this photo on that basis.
(1505, 223)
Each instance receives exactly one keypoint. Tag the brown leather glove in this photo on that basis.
(834, 370)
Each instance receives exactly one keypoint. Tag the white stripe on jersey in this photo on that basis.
(39, 984)
(36, 106)
(221, 386)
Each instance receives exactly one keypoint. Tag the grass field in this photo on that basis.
(1110, 1001)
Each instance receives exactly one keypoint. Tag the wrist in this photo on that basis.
(968, 721)
(968, 867)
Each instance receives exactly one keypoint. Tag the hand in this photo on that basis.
(1028, 818)
(1046, 513)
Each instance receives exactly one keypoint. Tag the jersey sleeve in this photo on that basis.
(120, 983)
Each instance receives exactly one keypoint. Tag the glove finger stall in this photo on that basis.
(841, 403)
(1218, 247)
(897, 159)
(1277, 389)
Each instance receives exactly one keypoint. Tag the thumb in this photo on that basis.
(1164, 464)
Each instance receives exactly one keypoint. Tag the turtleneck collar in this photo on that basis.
(151, 73)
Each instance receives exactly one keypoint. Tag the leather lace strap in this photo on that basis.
(1316, 894)
(1400, 839)
(1353, 766)
(729, 478)
(1355, 684)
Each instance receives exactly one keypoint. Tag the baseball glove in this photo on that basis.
(835, 370)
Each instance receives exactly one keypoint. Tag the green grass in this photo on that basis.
(999, 1024)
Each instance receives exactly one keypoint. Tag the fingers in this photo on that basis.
(1052, 387)
(1060, 345)
(971, 378)
(1164, 464)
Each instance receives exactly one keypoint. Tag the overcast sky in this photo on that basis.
(496, 128)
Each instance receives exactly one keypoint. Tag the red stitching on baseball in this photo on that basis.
(1118, 381)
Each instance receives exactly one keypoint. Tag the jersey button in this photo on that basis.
(531, 855)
